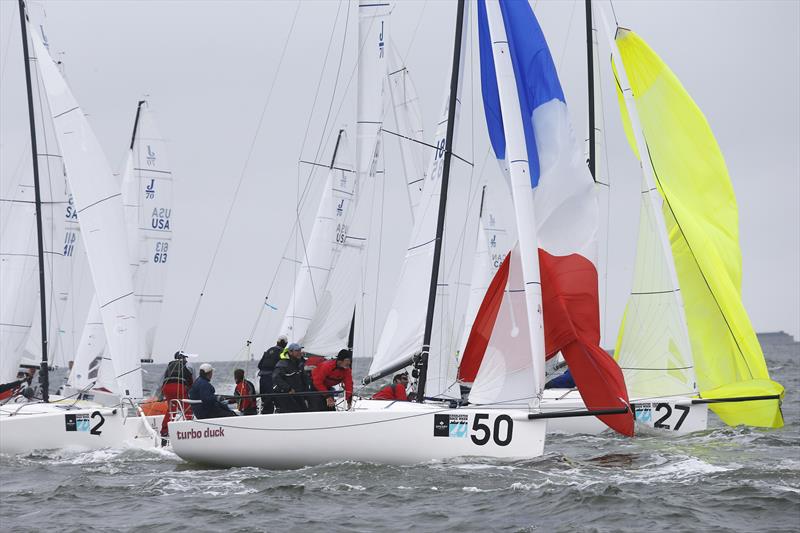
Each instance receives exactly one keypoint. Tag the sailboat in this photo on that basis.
(30, 426)
(508, 422)
(685, 343)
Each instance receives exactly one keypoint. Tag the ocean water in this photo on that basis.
(722, 479)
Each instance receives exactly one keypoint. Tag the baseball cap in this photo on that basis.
(294, 346)
(206, 368)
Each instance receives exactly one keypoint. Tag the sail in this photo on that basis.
(404, 327)
(90, 368)
(494, 240)
(20, 318)
(554, 202)
(408, 117)
(702, 221)
(321, 308)
(653, 346)
(98, 199)
(18, 274)
(507, 369)
(147, 197)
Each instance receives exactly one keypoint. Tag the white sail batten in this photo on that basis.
(654, 350)
(98, 199)
(516, 163)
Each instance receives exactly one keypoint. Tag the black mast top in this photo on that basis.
(43, 373)
(590, 80)
(136, 121)
(422, 362)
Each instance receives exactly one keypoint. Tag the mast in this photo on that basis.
(136, 122)
(43, 372)
(336, 148)
(590, 83)
(422, 363)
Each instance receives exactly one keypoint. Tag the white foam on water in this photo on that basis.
(343, 487)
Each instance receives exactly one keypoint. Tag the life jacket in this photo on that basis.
(245, 388)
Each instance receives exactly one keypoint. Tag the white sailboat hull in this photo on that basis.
(674, 415)
(36, 426)
(400, 433)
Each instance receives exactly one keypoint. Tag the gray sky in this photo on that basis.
(208, 67)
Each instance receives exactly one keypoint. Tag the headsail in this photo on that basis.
(702, 220)
(530, 132)
(99, 203)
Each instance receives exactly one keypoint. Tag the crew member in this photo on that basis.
(246, 392)
(203, 390)
(564, 381)
(266, 366)
(290, 378)
(175, 384)
(396, 391)
(328, 374)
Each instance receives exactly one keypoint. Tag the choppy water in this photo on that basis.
(723, 479)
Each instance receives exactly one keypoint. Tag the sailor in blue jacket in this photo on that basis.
(203, 390)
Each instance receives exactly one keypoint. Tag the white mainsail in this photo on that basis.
(99, 203)
(653, 350)
(147, 191)
(404, 328)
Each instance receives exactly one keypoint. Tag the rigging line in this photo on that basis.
(613, 12)
(423, 143)
(414, 34)
(301, 199)
(49, 257)
(694, 256)
(607, 179)
(566, 38)
(11, 22)
(324, 127)
(241, 177)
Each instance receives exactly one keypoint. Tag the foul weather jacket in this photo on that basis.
(204, 391)
(289, 375)
(327, 374)
(392, 392)
(266, 366)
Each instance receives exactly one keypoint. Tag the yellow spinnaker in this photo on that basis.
(702, 221)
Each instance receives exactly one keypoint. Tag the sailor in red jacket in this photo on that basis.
(328, 374)
(396, 391)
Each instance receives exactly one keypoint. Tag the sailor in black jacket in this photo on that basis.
(290, 377)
